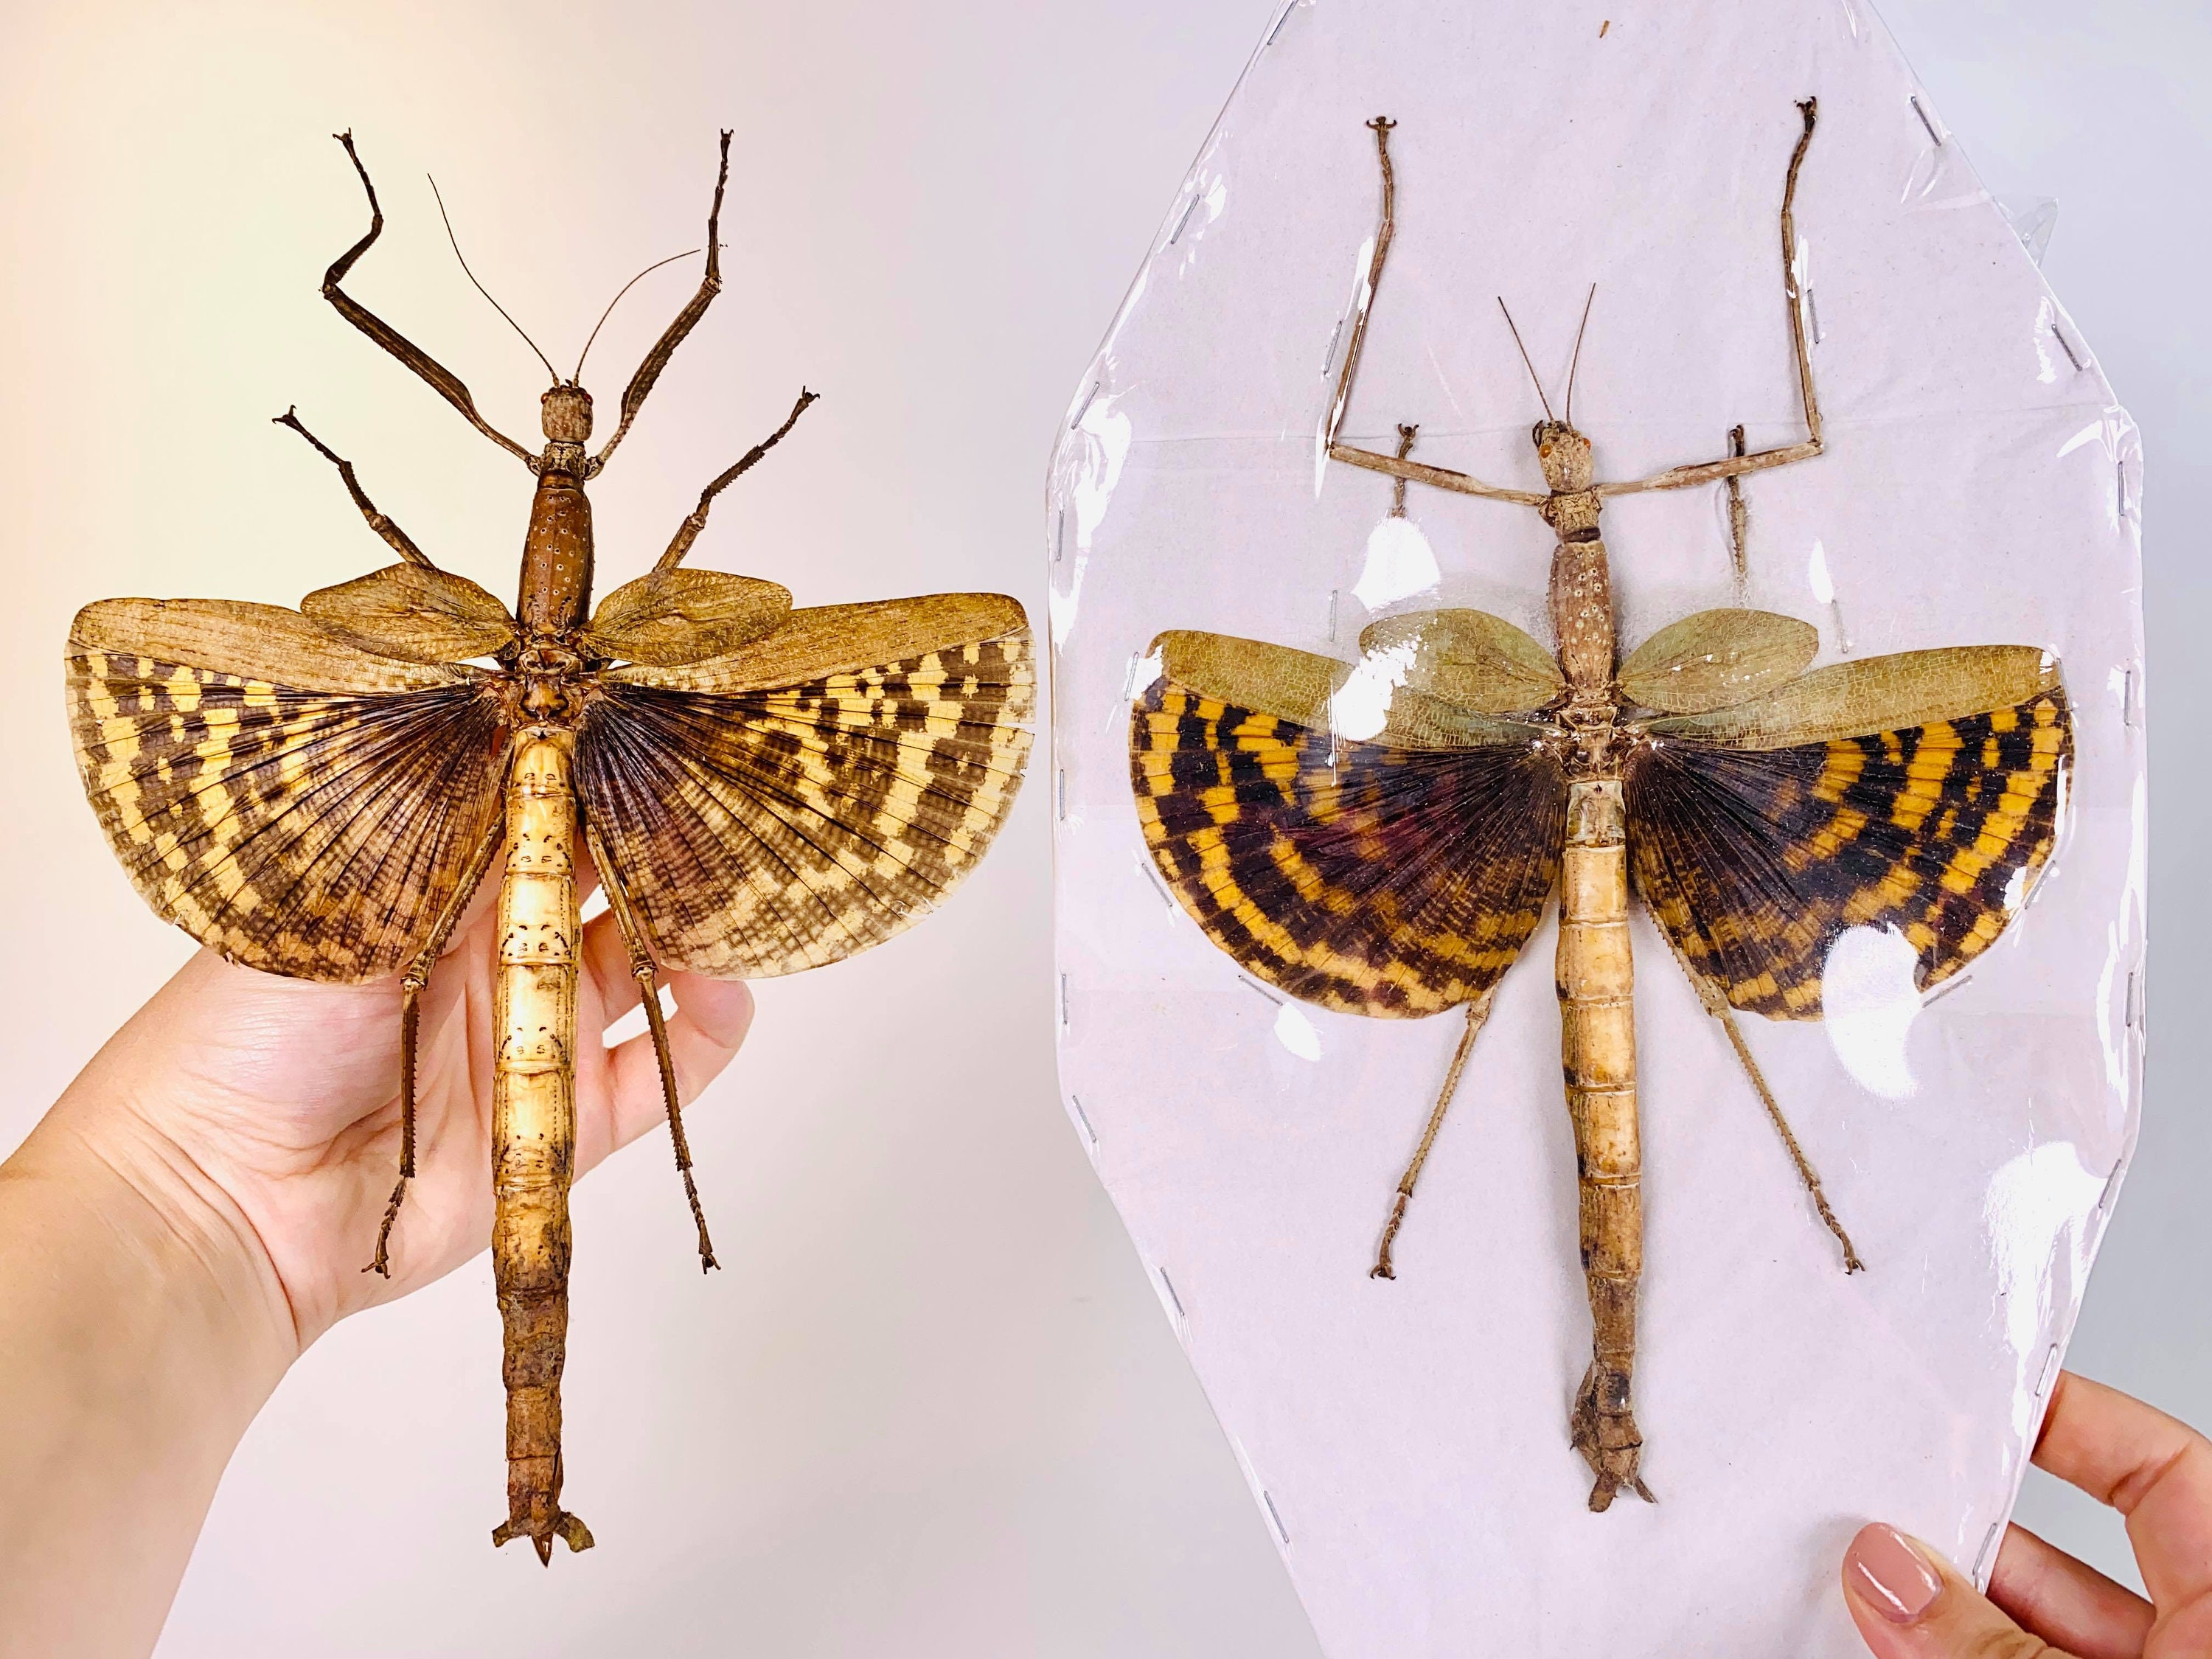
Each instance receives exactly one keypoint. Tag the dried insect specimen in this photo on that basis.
(319, 792)
(1759, 811)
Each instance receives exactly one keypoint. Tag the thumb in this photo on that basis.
(1910, 1603)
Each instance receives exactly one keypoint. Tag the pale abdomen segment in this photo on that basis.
(1596, 981)
(534, 1129)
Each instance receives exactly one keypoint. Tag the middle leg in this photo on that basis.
(400, 541)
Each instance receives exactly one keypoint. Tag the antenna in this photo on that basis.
(1575, 362)
(1533, 380)
(617, 300)
(481, 288)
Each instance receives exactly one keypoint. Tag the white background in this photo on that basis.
(930, 1406)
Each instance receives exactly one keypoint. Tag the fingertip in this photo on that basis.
(720, 1009)
(1886, 1574)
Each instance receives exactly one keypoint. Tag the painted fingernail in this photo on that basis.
(1890, 1575)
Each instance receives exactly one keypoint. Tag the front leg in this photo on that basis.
(1442, 478)
(433, 374)
(1736, 465)
(710, 284)
(1396, 467)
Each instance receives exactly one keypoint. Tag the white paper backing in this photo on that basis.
(1407, 1440)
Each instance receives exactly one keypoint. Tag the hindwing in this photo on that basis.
(1373, 878)
(782, 825)
(1754, 859)
(308, 832)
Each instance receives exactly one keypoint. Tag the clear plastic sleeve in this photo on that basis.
(1406, 1440)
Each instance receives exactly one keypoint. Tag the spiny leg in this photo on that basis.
(440, 378)
(401, 542)
(411, 1016)
(1717, 1004)
(642, 970)
(1477, 1012)
(1738, 518)
(1737, 463)
(1395, 466)
(710, 284)
(688, 532)
(1406, 436)
(1386, 227)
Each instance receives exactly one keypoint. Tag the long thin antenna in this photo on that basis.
(481, 288)
(1533, 380)
(1575, 362)
(617, 300)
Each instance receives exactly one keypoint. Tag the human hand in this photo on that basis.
(1909, 1603)
(264, 1110)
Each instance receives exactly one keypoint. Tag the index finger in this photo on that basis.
(2153, 1468)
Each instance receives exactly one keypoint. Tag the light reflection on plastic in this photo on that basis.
(1102, 446)
(1338, 342)
(1296, 1032)
(2044, 338)
(1824, 590)
(1400, 563)
(2036, 1203)
(1869, 1001)
(1361, 707)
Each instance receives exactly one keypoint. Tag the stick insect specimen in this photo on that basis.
(1760, 810)
(318, 793)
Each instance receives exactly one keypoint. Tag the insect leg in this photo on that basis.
(402, 543)
(1738, 518)
(710, 284)
(642, 970)
(1477, 1012)
(1395, 466)
(688, 532)
(1385, 228)
(411, 1016)
(440, 380)
(1733, 465)
(1717, 1004)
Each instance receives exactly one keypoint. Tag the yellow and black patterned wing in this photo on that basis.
(1754, 852)
(313, 829)
(789, 803)
(1397, 877)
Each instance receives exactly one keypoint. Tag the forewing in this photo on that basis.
(1372, 700)
(413, 612)
(1713, 659)
(311, 832)
(682, 615)
(1367, 877)
(789, 807)
(1469, 657)
(1754, 855)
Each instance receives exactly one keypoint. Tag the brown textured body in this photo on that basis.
(1596, 975)
(534, 1127)
(1597, 1027)
(556, 557)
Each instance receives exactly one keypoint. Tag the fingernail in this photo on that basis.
(1890, 1575)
